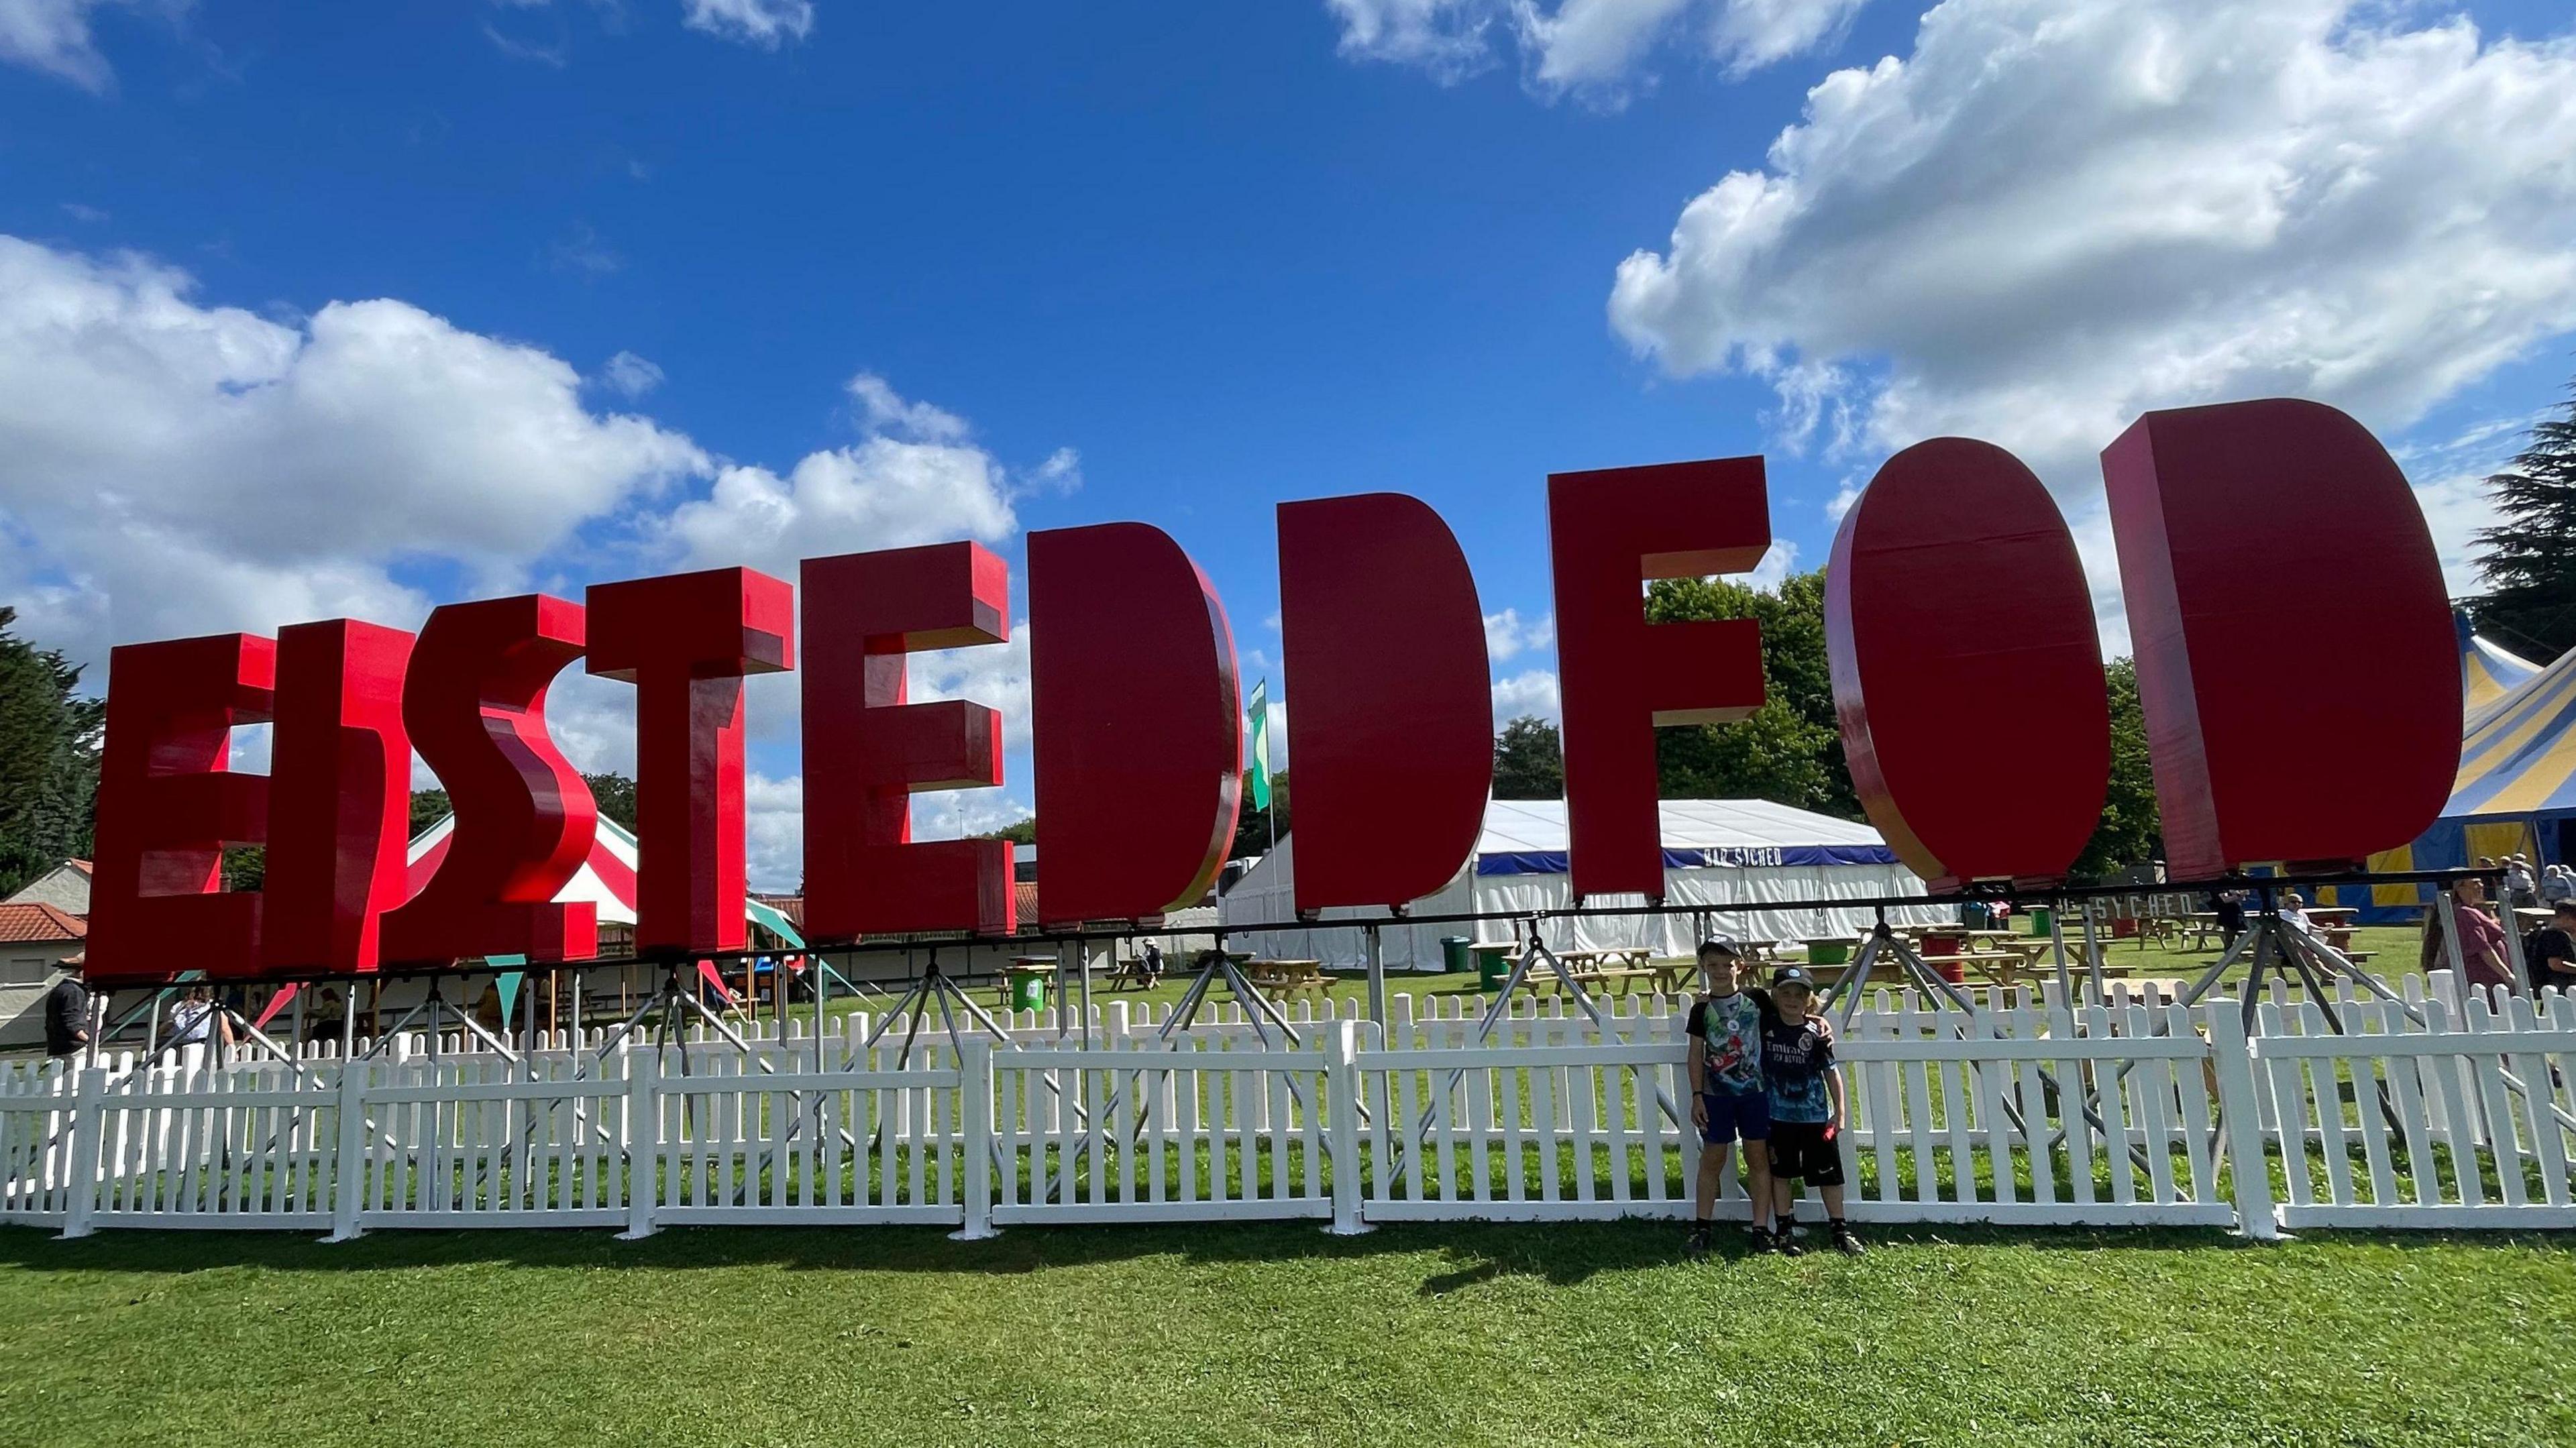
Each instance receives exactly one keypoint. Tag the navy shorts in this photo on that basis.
(1747, 1116)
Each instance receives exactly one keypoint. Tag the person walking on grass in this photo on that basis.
(1727, 1099)
(1805, 1089)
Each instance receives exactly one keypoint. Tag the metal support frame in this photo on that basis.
(1537, 950)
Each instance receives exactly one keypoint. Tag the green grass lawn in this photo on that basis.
(1256, 1334)
(2392, 950)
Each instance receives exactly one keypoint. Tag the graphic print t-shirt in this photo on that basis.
(1795, 1057)
(1732, 1028)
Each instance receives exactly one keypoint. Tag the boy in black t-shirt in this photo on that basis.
(2551, 951)
(1806, 1096)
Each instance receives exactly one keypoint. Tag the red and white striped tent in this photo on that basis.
(606, 879)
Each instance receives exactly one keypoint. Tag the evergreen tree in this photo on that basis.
(2529, 559)
(49, 743)
(1529, 760)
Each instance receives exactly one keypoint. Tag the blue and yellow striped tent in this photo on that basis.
(2517, 775)
(2488, 670)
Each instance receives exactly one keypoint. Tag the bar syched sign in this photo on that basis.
(1953, 578)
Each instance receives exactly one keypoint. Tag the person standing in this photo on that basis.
(66, 1018)
(2520, 890)
(2229, 907)
(1728, 1101)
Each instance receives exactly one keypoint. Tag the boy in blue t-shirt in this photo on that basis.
(1806, 1096)
(1727, 1098)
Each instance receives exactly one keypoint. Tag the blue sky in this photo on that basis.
(359, 309)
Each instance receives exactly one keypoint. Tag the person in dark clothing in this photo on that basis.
(2230, 907)
(1806, 1095)
(66, 1017)
(2551, 951)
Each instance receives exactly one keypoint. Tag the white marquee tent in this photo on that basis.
(1717, 852)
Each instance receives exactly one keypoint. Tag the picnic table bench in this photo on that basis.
(1282, 978)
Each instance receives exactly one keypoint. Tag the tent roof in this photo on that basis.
(1529, 836)
(2488, 670)
(606, 879)
(2518, 758)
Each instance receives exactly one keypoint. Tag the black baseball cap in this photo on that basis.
(1792, 975)
(1721, 945)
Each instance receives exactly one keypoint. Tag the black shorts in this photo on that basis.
(1800, 1152)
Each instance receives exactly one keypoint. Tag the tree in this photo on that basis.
(615, 796)
(49, 743)
(1252, 832)
(2130, 832)
(428, 807)
(1529, 760)
(1018, 832)
(1790, 750)
(2531, 599)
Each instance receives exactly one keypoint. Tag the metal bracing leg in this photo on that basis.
(1844, 999)
(1376, 977)
(2057, 939)
(2336, 965)
(2093, 957)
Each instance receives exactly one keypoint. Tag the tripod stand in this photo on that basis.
(1535, 952)
(1214, 966)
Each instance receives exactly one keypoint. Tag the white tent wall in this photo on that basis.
(1745, 828)
(1266, 893)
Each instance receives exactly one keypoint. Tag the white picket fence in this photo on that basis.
(2020, 1112)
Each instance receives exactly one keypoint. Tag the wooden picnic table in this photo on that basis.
(1286, 977)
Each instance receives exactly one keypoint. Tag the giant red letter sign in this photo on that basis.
(685, 642)
(1393, 730)
(475, 703)
(167, 806)
(1608, 532)
(867, 752)
(339, 795)
(2275, 560)
(1138, 722)
(1955, 586)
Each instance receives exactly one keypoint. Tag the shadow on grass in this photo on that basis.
(1462, 1254)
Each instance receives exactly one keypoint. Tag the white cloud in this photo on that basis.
(993, 675)
(168, 468)
(53, 35)
(2058, 214)
(77, 212)
(1778, 562)
(1595, 48)
(774, 831)
(764, 23)
(914, 479)
(629, 376)
(1506, 635)
(1533, 691)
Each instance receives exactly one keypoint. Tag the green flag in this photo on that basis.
(1259, 709)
